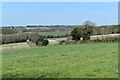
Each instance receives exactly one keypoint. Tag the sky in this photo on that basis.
(59, 13)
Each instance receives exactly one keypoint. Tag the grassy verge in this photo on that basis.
(31, 44)
(21, 45)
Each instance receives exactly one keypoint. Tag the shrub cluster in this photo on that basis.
(43, 43)
(110, 39)
(61, 42)
(86, 31)
(38, 40)
(14, 38)
(55, 36)
(82, 32)
(67, 42)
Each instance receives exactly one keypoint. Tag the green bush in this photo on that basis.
(61, 42)
(110, 39)
(38, 40)
(39, 43)
(34, 38)
(67, 42)
(70, 42)
(85, 32)
(43, 42)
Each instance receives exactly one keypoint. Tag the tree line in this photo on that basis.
(97, 30)
(112, 29)
(55, 36)
(86, 31)
(23, 37)
(14, 38)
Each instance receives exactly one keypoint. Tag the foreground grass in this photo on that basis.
(88, 60)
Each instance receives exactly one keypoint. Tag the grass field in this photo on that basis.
(37, 28)
(84, 60)
(59, 39)
(46, 28)
(105, 36)
(53, 33)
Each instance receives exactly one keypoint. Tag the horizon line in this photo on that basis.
(51, 25)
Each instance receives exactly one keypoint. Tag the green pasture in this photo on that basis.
(37, 28)
(53, 33)
(59, 39)
(84, 60)
(102, 36)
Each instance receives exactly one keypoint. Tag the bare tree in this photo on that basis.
(88, 23)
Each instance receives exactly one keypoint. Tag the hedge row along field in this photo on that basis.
(14, 38)
(98, 40)
(23, 37)
(109, 39)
